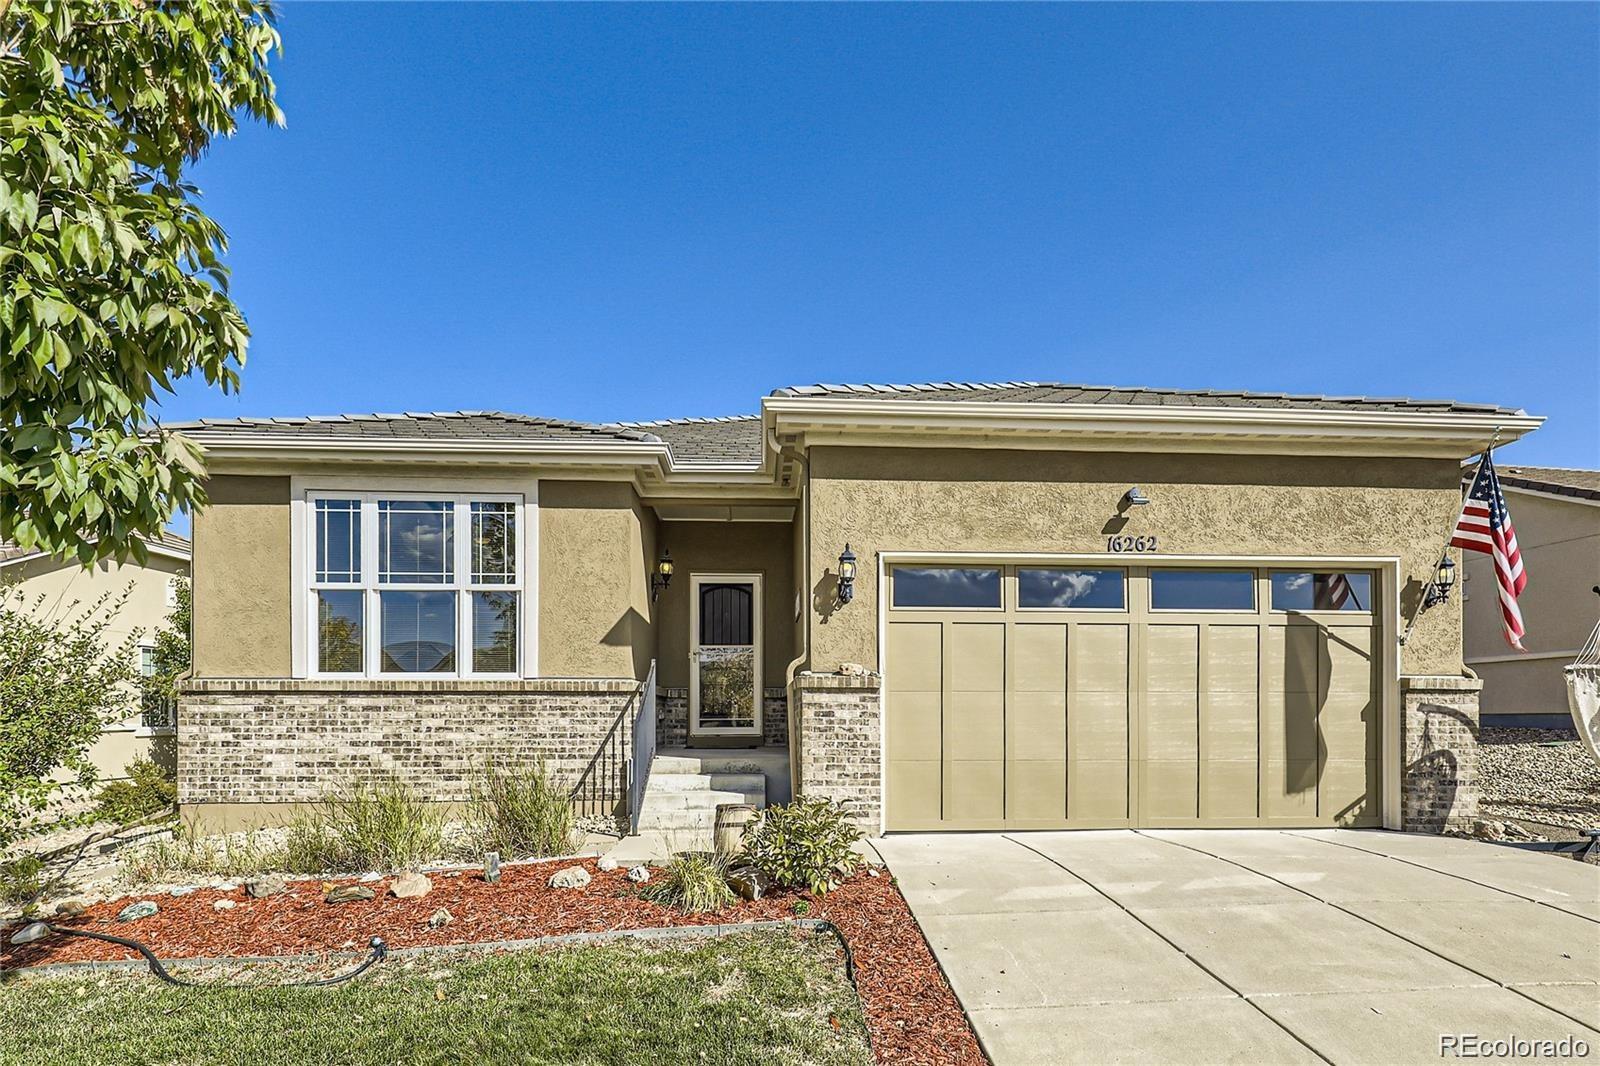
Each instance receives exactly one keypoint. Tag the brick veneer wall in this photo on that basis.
(672, 717)
(1439, 731)
(839, 752)
(262, 742)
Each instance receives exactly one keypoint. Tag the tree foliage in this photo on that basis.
(61, 682)
(171, 653)
(112, 285)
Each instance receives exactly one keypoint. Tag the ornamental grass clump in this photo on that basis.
(808, 844)
(695, 882)
(381, 825)
(519, 812)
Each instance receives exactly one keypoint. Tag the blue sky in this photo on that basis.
(637, 212)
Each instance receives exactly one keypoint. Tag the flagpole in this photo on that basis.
(1448, 537)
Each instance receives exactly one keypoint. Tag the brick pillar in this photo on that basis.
(839, 747)
(1439, 731)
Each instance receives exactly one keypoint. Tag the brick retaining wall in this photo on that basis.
(839, 747)
(672, 718)
(1439, 735)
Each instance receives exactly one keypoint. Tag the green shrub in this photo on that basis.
(692, 881)
(520, 812)
(188, 854)
(147, 791)
(21, 879)
(806, 845)
(379, 826)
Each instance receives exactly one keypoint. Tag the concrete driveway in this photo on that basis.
(1254, 946)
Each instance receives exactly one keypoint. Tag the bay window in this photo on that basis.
(414, 583)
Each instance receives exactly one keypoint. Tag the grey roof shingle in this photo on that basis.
(1555, 480)
(1056, 392)
(412, 425)
(167, 539)
(735, 438)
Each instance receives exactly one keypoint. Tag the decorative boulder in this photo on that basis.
(750, 883)
(349, 894)
(440, 919)
(639, 874)
(29, 933)
(70, 908)
(411, 886)
(134, 911)
(571, 877)
(223, 904)
(266, 885)
(606, 863)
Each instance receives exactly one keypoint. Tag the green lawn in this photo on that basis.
(762, 998)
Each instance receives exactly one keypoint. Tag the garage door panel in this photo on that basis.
(1099, 658)
(1171, 725)
(974, 791)
(915, 793)
(1171, 790)
(1289, 725)
(1036, 725)
(1349, 660)
(1289, 789)
(1036, 790)
(1172, 658)
(1039, 658)
(915, 649)
(974, 725)
(1098, 790)
(975, 657)
(1349, 726)
(1098, 724)
(1231, 654)
(1294, 658)
(914, 728)
(1229, 788)
(1228, 725)
(1345, 792)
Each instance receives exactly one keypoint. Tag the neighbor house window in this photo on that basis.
(1337, 591)
(415, 584)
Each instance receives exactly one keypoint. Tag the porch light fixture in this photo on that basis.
(847, 574)
(1444, 579)
(663, 575)
(1135, 497)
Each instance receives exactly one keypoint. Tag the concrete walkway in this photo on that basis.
(1256, 946)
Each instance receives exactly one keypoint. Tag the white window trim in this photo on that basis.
(462, 492)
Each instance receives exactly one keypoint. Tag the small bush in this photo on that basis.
(380, 826)
(188, 854)
(520, 813)
(21, 879)
(692, 881)
(148, 791)
(806, 845)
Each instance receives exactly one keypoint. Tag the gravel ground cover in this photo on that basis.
(912, 1015)
(1542, 776)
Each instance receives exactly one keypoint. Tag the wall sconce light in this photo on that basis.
(1134, 497)
(847, 575)
(663, 575)
(1444, 579)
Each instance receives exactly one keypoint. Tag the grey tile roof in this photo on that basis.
(1558, 481)
(1056, 392)
(167, 539)
(411, 425)
(736, 438)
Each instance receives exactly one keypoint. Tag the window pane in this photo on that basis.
(932, 586)
(416, 542)
(1070, 588)
(494, 632)
(1202, 590)
(418, 631)
(147, 661)
(494, 544)
(339, 631)
(338, 540)
(1322, 592)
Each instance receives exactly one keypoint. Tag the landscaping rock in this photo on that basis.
(639, 874)
(348, 894)
(369, 877)
(223, 904)
(183, 890)
(571, 877)
(440, 919)
(1488, 830)
(29, 933)
(134, 911)
(607, 863)
(268, 885)
(751, 883)
(70, 908)
(411, 886)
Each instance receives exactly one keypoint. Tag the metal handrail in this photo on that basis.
(644, 748)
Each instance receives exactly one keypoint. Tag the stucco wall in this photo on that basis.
(242, 578)
(906, 499)
(714, 547)
(597, 543)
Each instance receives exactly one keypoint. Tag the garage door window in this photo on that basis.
(946, 587)
(1203, 590)
(1321, 592)
(1058, 590)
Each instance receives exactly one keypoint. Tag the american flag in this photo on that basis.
(1485, 526)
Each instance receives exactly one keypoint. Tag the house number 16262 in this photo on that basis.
(1131, 544)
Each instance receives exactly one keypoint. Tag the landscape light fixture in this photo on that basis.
(847, 574)
(1135, 497)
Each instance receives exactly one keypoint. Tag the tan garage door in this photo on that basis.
(1067, 696)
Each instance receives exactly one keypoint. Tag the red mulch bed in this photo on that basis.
(911, 1012)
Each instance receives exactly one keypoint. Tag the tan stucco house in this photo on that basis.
(152, 594)
(1556, 513)
(949, 606)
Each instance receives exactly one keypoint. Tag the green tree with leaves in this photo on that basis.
(112, 285)
(171, 654)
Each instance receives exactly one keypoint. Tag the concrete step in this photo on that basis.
(712, 760)
(702, 782)
(702, 819)
(710, 800)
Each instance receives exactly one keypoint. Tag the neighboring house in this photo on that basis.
(152, 596)
(1070, 607)
(1556, 514)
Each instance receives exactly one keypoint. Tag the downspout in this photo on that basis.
(802, 584)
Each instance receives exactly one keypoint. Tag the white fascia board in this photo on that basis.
(1455, 429)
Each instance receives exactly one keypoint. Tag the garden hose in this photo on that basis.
(380, 951)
